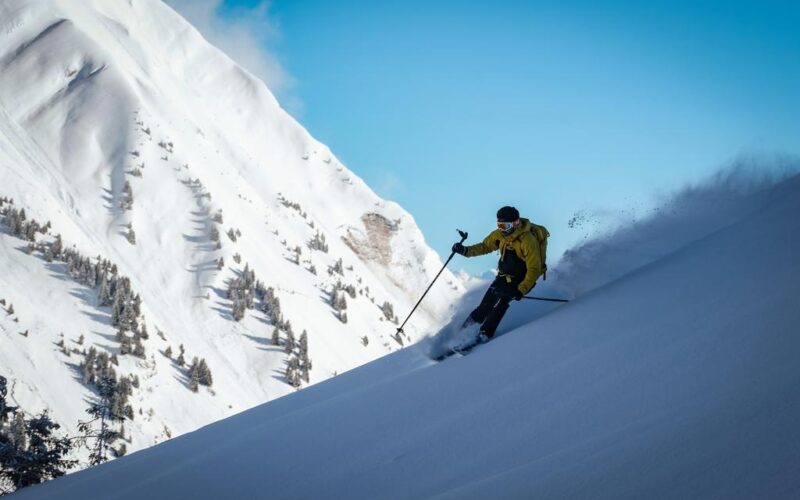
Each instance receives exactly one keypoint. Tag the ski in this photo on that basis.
(462, 350)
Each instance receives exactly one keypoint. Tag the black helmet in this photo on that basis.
(507, 214)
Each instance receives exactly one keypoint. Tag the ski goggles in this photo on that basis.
(507, 226)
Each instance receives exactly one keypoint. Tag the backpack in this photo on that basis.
(540, 234)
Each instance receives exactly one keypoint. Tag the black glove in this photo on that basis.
(459, 248)
(517, 294)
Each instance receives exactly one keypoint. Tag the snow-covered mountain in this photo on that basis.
(672, 373)
(169, 201)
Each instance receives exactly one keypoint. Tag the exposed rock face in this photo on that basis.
(376, 244)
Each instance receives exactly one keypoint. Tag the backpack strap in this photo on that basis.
(541, 234)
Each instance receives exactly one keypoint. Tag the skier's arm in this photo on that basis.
(533, 264)
(488, 245)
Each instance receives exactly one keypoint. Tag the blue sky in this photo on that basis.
(453, 109)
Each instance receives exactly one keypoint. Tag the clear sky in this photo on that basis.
(456, 108)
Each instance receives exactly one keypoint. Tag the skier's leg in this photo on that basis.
(478, 315)
(494, 316)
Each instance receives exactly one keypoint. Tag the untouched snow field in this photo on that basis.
(675, 375)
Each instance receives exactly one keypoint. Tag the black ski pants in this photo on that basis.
(494, 304)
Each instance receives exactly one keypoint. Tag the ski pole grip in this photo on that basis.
(463, 234)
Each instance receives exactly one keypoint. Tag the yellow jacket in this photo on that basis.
(525, 247)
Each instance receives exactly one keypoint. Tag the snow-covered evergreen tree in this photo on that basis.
(199, 374)
(131, 235)
(181, 360)
(105, 410)
(290, 342)
(337, 268)
(127, 196)
(318, 243)
(30, 450)
(276, 336)
(388, 310)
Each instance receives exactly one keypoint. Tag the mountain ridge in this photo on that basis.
(151, 156)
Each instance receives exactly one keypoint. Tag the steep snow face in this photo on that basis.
(144, 145)
(675, 379)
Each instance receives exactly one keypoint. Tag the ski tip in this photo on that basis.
(446, 355)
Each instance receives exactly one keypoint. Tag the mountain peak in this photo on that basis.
(166, 171)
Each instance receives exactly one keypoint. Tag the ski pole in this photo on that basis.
(545, 298)
(463, 238)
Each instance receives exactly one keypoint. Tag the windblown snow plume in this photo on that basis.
(686, 216)
(695, 212)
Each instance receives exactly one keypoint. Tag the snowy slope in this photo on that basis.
(675, 378)
(97, 95)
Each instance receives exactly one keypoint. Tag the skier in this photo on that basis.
(522, 247)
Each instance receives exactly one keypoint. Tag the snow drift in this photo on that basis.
(675, 377)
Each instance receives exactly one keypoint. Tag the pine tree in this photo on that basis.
(30, 452)
(338, 301)
(205, 373)
(105, 409)
(338, 268)
(104, 294)
(131, 235)
(126, 343)
(292, 376)
(18, 431)
(289, 347)
(143, 331)
(388, 310)
(137, 307)
(238, 310)
(276, 336)
(168, 352)
(181, 361)
(5, 409)
(194, 376)
(318, 243)
(127, 199)
(304, 343)
(115, 311)
(138, 347)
